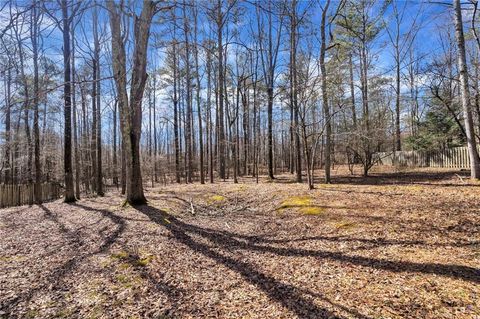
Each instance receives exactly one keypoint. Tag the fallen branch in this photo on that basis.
(192, 209)
(461, 179)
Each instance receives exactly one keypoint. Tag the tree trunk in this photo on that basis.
(86, 175)
(115, 159)
(131, 110)
(150, 143)
(36, 130)
(246, 127)
(293, 66)
(199, 111)
(25, 107)
(175, 105)
(352, 92)
(270, 131)
(326, 107)
(188, 100)
(67, 156)
(8, 80)
(74, 119)
(220, 86)
(463, 75)
(209, 116)
(99, 176)
(398, 142)
(93, 144)
(155, 169)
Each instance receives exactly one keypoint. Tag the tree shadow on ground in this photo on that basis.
(404, 226)
(174, 294)
(54, 280)
(460, 272)
(289, 296)
(373, 242)
(443, 179)
(438, 178)
(227, 239)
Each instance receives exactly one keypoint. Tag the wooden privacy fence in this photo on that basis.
(456, 157)
(17, 195)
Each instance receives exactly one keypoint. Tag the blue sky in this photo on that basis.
(432, 17)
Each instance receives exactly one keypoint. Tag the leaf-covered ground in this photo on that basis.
(392, 246)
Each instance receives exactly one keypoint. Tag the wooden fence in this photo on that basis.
(17, 195)
(456, 157)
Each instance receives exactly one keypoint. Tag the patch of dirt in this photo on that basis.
(397, 245)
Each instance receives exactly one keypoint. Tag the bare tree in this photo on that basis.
(67, 91)
(198, 98)
(296, 156)
(74, 119)
(131, 108)
(188, 98)
(220, 21)
(269, 49)
(463, 75)
(326, 107)
(34, 30)
(96, 101)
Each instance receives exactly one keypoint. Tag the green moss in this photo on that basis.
(124, 266)
(303, 204)
(33, 313)
(132, 259)
(312, 210)
(11, 259)
(129, 281)
(241, 188)
(412, 188)
(96, 312)
(296, 201)
(106, 262)
(327, 185)
(142, 262)
(122, 278)
(216, 199)
(93, 290)
(65, 313)
(120, 255)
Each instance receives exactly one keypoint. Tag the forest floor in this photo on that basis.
(395, 245)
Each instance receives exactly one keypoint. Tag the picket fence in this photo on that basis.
(17, 195)
(456, 157)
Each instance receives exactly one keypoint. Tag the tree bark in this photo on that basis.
(67, 156)
(188, 99)
(93, 143)
(209, 116)
(96, 54)
(155, 142)
(463, 75)
(175, 105)
(131, 109)
(8, 80)
(326, 107)
(199, 110)
(74, 119)
(115, 158)
(220, 87)
(352, 92)
(36, 130)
